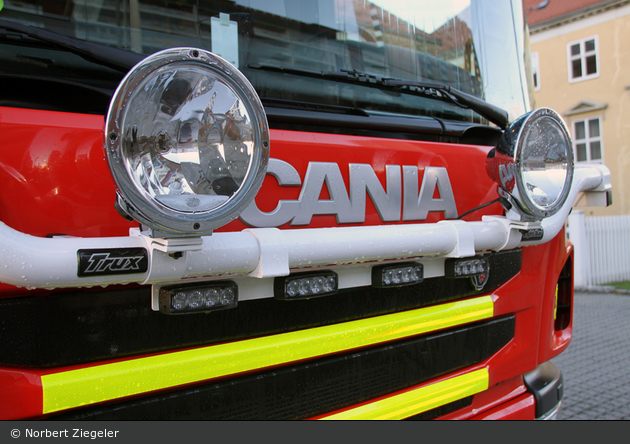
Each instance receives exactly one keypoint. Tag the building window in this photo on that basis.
(583, 59)
(536, 71)
(587, 138)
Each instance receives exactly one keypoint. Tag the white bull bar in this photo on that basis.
(263, 253)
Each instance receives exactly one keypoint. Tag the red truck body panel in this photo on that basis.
(56, 181)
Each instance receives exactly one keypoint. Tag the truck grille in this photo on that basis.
(323, 385)
(68, 328)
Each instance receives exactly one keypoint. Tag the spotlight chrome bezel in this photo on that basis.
(505, 164)
(165, 221)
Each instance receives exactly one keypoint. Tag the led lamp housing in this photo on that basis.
(187, 141)
(198, 298)
(397, 275)
(533, 163)
(468, 267)
(306, 285)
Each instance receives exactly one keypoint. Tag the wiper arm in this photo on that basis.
(111, 57)
(492, 113)
(489, 111)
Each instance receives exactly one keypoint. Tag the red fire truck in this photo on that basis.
(269, 209)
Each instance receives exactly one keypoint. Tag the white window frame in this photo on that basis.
(588, 139)
(582, 57)
(536, 71)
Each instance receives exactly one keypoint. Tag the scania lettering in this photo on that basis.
(270, 209)
(351, 208)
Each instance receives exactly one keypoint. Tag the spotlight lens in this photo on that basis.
(545, 163)
(188, 139)
(187, 142)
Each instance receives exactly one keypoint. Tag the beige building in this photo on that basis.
(581, 64)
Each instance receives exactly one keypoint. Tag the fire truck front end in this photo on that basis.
(259, 210)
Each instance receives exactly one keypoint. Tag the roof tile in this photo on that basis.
(554, 9)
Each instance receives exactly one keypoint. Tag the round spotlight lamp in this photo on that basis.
(187, 141)
(534, 162)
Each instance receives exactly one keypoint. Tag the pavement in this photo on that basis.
(596, 365)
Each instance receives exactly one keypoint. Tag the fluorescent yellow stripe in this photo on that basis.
(420, 400)
(555, 307)
(111, 381)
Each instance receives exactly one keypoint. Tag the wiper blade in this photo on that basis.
(489, 111)
(309, 106)
(444, 92)
(111, 57)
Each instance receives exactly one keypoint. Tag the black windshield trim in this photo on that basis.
(435, 90)
(395, 123)
(109, 56)
(376, 125)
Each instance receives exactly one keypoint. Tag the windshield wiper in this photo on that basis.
(442, 92)
(115, 58)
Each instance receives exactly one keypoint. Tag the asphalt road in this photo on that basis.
(596, 365)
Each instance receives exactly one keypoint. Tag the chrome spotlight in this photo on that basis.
(533, 163)
(187, 142)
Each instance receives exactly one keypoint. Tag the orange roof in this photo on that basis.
(555, 8)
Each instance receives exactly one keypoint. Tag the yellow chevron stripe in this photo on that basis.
(105, 382)
(420, 400)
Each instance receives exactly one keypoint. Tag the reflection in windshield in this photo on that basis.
(433, 14)
(361, 35)
(458, 43)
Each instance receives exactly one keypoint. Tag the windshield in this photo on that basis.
(476, 46)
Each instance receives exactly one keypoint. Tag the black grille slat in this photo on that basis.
(68, 328)
(320, 386)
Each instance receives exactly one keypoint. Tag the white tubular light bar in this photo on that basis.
(36, 262)
(587, 179)
(33, 262)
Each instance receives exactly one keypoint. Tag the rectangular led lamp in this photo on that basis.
(198, 298)
(306, 285)
(468, 267)
(397, 275)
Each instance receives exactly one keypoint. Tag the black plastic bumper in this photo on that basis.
(546, 384)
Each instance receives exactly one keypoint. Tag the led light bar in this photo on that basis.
(306, 285)
(198, 298)
(456, 268)
(397, 275)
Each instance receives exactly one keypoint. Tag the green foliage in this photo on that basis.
(621, 285)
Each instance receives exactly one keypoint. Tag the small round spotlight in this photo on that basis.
(534, 163)
(187, 142)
